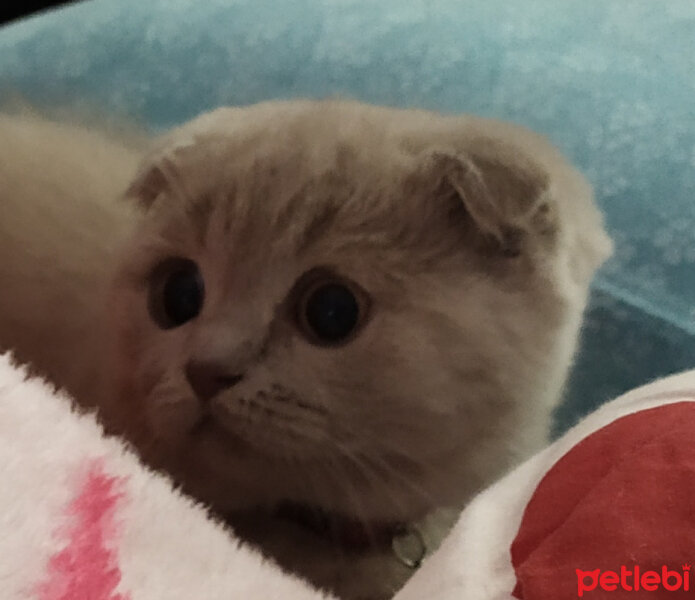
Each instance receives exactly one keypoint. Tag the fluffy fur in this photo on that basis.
(473, 240)
(60, 225)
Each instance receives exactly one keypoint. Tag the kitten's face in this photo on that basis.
(310, 313)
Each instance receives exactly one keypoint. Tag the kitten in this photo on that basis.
(333, 322)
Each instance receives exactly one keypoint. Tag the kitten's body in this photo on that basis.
(61, 221)
(474, 242)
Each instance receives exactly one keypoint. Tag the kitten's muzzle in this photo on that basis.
(207, 378)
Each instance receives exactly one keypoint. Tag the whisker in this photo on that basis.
(354, 499)
(370, 473)
(379, 464)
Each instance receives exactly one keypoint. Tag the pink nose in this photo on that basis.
(209, 378)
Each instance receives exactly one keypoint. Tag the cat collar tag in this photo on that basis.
(409, 546)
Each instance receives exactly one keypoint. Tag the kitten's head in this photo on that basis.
(366, 309)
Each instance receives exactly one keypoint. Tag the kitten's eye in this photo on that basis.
(331, 310)
(176, 292)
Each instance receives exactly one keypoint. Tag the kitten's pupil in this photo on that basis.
(177, 293)
(332, 312)
(183, 295)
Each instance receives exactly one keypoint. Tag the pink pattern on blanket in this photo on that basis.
(87, 567)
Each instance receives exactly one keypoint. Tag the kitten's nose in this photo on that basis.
(208, 378)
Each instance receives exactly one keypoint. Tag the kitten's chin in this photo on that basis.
(233, 476)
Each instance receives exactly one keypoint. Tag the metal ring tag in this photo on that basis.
(409, 546)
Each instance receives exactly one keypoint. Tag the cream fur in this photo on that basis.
(474, 239)
(60, 223)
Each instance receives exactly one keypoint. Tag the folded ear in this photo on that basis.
(149, 182)
(504, 194)
(159, 172)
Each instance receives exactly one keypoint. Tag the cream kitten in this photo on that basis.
(333, 322)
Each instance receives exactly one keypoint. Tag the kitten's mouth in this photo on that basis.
(266, 432)
(208, 427)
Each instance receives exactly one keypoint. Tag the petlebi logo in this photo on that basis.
(633, 579)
